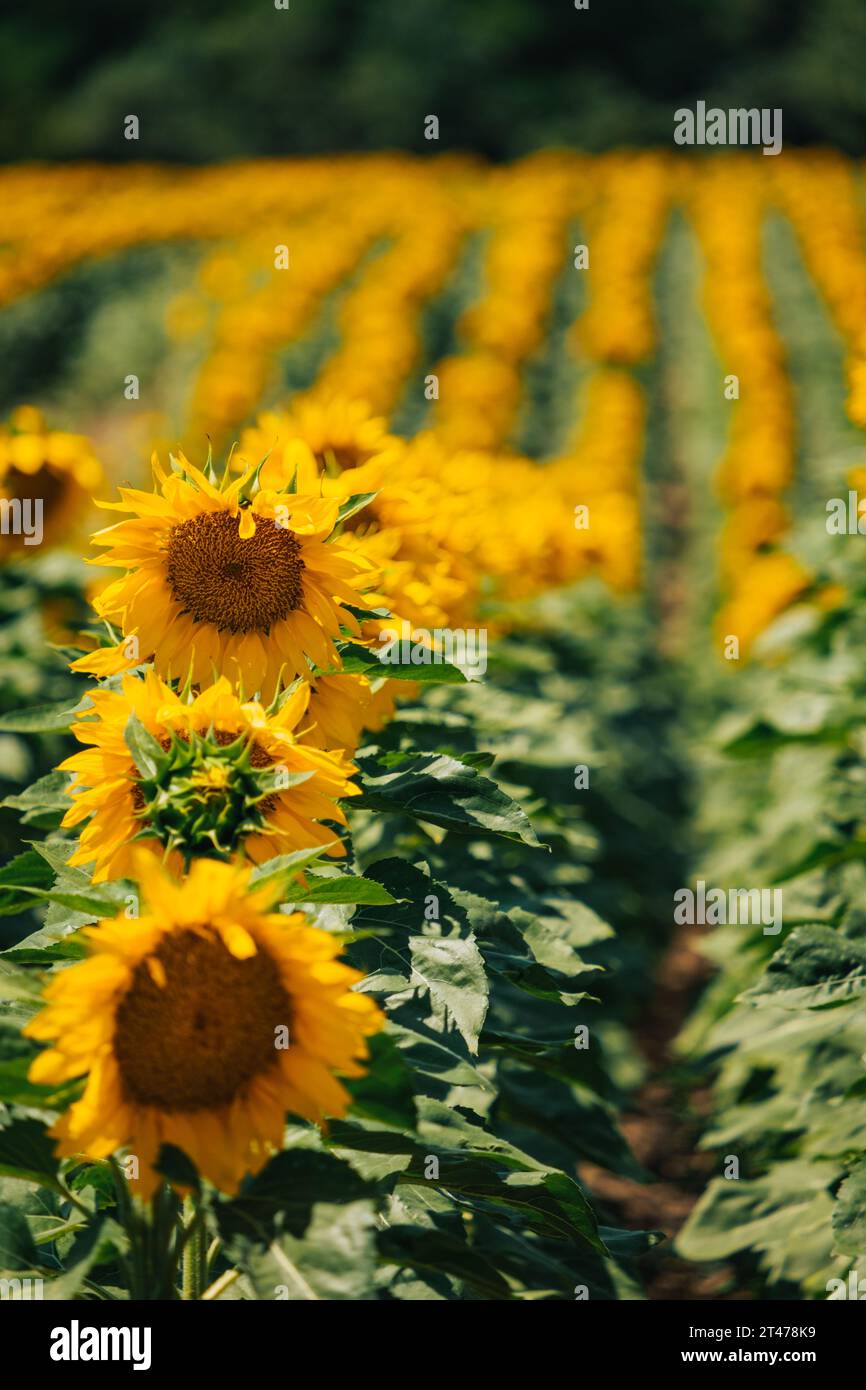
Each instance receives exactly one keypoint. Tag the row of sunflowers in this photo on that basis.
(299, 864)
(503, 243)
(770, 1058)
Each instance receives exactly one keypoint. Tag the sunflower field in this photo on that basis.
(420, 577)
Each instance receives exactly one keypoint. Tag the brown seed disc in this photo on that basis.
(196, 1042)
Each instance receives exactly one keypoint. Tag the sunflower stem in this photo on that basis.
(134, 1266)
(164, 1227)
(194, 1251)
(71, 1198)
(220, 1285)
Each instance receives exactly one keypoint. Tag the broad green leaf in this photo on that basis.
(354, 504)
(570, 1116)
(17, 1250)
(17, 983)
(358, 660)
(98, 902)
(385, 1092)
(758, 1215)
(44, 719)
(16, 1055)
(283, 1195)
(451, 971)
(44, 803)
(345, 888)
(444, 791)
(26, 870)
(414, 1248)
(26, 1151)
(279, 874)
(849, 1213)
(815, 967)
(336, 1258)
(147, 753)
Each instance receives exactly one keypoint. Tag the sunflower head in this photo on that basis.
(227, 577)
(202, 775)
(46, 480)
(202, 793)
(340, 433)
(202, 1024)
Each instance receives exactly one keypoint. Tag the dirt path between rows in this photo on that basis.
(662, 1128)
(663, 1125)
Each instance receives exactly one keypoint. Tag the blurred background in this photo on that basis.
(231, 78)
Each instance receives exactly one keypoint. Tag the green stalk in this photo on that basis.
(163, 1261)
(133, 1266)
(194, 1257)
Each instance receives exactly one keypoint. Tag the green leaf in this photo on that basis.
(17, 983)
(824, 854)
(68, 948)
(815, 967)
(102, 900)
(279, 874)
(174, 1165)
(147, 752)
(345, 888)
(27, 1152)
(101, 1241)
(362, 614)
(44, 803)
(765, 735)
(579, 1122)
(445, 1057)
(283, 1195)
(354, 504)
(357, 660)
(17, 1249)
(385, 1093)
(44, 719)
(443, 791)
(336, 1258)
(849, 1213)
(16, 1055)
(415, 1248)
(451, 971)
(26, 870)
(629, 1245)
(547, 1202)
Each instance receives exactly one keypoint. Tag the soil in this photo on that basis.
(663, 1129)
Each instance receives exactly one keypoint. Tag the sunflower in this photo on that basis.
(337, 711)
(385, 696)
(221, 775)
(342, 706)
(48, 470)
(202, 1024)
(226, 579)
(416, 579)
(763, 590)
(341, 433)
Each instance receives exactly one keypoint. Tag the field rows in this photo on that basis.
(591, 408)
